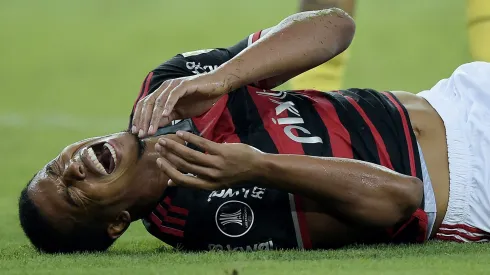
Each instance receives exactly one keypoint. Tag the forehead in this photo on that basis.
(45, 192)
(43, 185)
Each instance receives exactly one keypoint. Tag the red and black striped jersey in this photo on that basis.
(356, 123)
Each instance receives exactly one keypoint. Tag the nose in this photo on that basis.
(74, 172)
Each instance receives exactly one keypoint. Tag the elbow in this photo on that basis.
(395, 202)
(345, 27)
(409, 198)
(385, 204)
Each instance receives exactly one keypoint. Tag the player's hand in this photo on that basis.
(222, 166)
(176, 99)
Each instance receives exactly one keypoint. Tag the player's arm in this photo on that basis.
(362, 192)
(298, 43)
(188, 64)
(355, 191)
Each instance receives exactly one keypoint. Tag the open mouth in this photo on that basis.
(103, 155)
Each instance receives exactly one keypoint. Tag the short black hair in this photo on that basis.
(48, 239)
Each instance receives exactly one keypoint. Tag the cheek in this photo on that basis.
(149, 183)
(107, 193)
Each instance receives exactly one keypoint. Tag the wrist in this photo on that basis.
(229, 80)
(263, 167)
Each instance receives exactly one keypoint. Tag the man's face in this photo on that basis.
(95, 179)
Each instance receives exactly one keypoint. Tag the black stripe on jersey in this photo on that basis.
(362, 140)
(394, 137)
(313, 123)
(248, 124)
(401, 140)
(385, 123)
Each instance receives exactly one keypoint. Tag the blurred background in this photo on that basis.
(72, 69)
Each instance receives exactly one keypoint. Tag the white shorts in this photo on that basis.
(463, 102)
(430, 206)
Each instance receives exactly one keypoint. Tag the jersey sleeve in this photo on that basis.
(191, 63)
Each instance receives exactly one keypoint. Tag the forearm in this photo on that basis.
(298, 43)
(361, 192)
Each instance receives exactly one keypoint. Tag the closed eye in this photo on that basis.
(69, 196)
(54, 168)
(51, 171)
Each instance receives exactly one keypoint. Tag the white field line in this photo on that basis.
(62, 121)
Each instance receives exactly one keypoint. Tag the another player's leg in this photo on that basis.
(478, 12)
(328, 76)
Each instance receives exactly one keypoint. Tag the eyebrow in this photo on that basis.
(51, 171)
(66, 193)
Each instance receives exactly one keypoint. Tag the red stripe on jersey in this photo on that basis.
(464, 227)
(165, 229)
(339, 136)
(227, 129)
(207, 122)
(147, 85)
(384, 157)
(455, 232)
(267, 111)
(169, 219)
(303, 225)
(408, 137)
(270, 119)
(256, 36)
(175, 209)
(419, 217)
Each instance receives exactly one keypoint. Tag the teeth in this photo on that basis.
(94, 159)
(113, 152)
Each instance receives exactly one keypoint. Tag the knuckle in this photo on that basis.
(179, 178)
(215, 174)
(158, 101)
(221, 163)
(149, 103)
(202, 144)
(178, 162)
(191, 157)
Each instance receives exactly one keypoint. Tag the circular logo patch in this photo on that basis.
(234, 218)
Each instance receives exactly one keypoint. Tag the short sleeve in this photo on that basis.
(191, 63)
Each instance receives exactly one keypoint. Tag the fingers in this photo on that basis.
(143, 113)
(177, 178)
(186, 167)
(204, 144)
(186, 153)
(140, 113)
(174, 96)
(147, 112)
(157, 110)
(136, 116)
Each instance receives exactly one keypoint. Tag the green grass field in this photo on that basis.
(72, 69)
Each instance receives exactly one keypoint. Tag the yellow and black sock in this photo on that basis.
(326, 77)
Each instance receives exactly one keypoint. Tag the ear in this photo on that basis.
(117, 227)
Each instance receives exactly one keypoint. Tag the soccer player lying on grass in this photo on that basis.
(297, 169)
